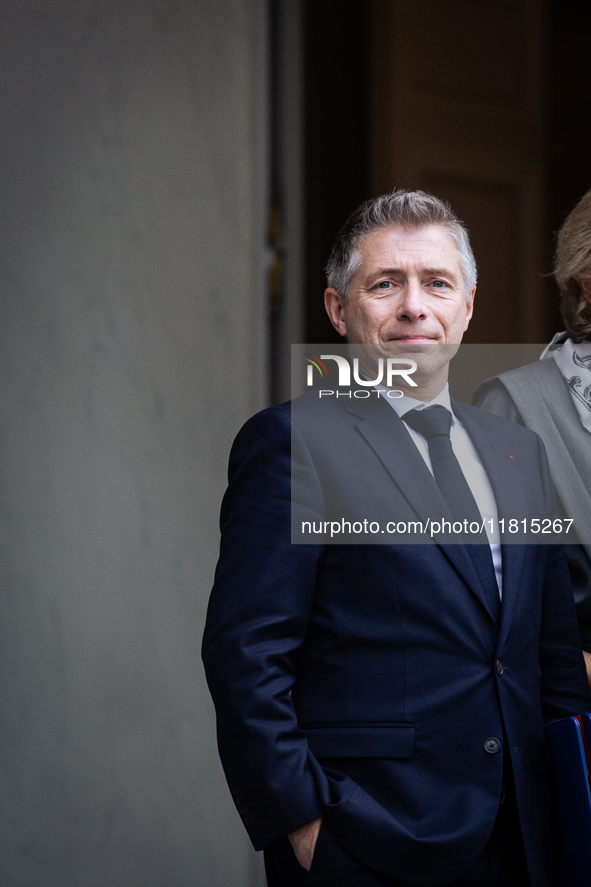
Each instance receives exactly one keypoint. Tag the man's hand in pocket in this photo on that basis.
(303, 841)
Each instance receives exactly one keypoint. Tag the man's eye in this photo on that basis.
(384, 284)
(439, 284)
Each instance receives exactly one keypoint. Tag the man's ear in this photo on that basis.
(470, 307)
(335, 309)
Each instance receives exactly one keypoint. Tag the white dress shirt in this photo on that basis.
(466, 454)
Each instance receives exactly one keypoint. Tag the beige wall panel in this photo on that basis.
(131, 343)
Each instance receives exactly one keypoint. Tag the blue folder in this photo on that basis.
(568, 742)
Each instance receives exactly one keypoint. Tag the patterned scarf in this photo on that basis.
(573, 359)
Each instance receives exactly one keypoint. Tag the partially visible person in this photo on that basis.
(553, 398)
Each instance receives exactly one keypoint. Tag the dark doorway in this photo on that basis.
(336, 138)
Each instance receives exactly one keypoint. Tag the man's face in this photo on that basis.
(408, 288)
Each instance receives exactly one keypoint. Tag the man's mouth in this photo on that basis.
(419, 339)
(413, 339)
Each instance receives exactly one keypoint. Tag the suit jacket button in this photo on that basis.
(248, 820)
(492, 745)
(499, 666)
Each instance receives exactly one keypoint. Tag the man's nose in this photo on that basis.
(412, 305)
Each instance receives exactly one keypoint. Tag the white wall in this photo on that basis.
(131, 195)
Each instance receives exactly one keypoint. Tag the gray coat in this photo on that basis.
(537, 397)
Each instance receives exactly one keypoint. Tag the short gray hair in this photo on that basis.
(404, 209)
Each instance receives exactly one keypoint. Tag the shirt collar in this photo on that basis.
(404, 404)
(556, 343)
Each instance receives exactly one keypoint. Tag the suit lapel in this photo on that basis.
(509, 495)
(498, 464)
(386, 434)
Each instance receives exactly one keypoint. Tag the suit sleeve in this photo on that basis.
(257, 619)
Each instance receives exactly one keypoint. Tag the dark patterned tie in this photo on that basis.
(434, 424)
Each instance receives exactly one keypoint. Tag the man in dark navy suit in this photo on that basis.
(381, 706)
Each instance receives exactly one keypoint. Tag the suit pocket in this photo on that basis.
(361, 740)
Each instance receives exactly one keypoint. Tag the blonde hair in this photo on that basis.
(573, 259)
